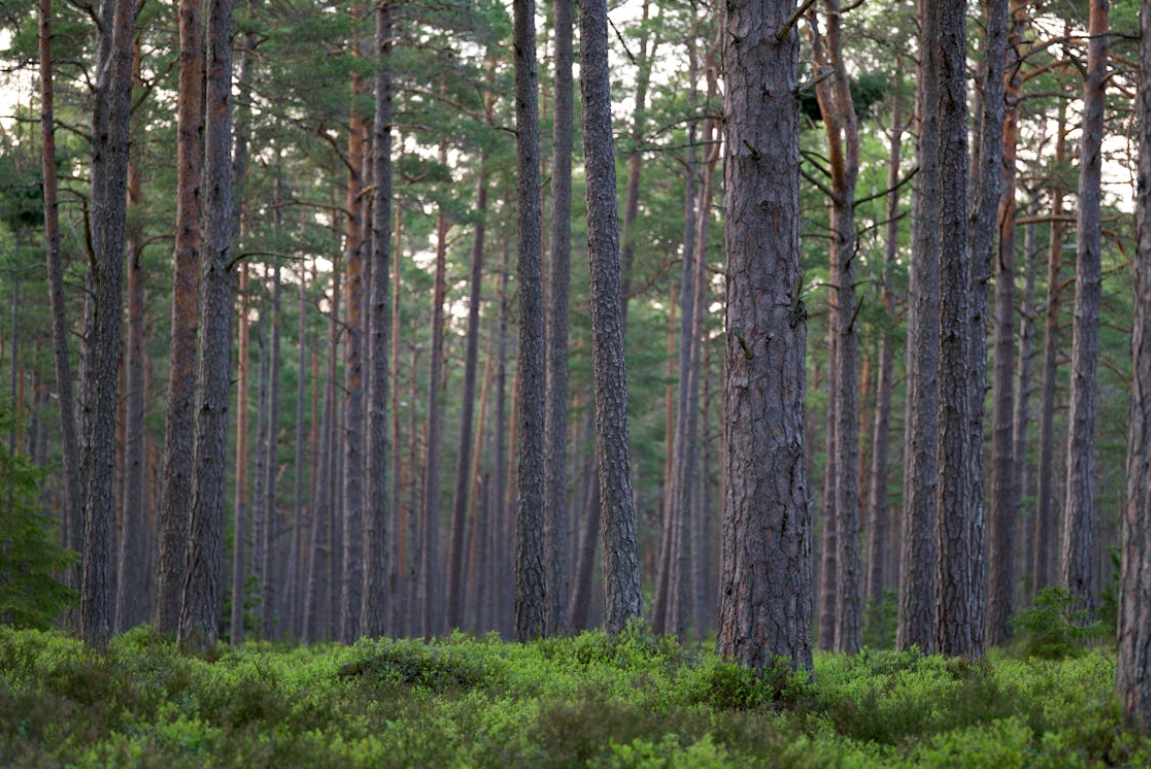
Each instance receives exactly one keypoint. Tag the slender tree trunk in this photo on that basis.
(530, 577)
(877, 530)
(1004, 521)
(403, 518)
(557, 532)
(624, 600)
(635, 162)
(916, 617)
(73, 486)
(464, 466)
(1043, 569)
(1023, 390)
(112, 140)
(268, 568)
(375, 612)
(1077, 572)
(295, 584)
(765, 579)
(240, 528)
(259, 485)
(829, 541)
(1133, 663)
(352, 576)
(130, 579)
(498, 578)
(200, 610)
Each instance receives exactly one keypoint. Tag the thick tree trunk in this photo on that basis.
(530, 576)
(1004, 521)
(557, 526)
(765, 580)
(1133, 663)
(200, 610)
(179, 430)
(111, 140)
(1043, 568)
(916, 617)
(624, 600)
(1077, 572)
(959, 568)
(375, 612)
(73, 486)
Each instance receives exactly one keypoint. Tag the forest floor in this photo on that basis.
(633, 701)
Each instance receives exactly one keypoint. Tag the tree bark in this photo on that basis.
(240, 527)
(1004, 521)
(624, 601)
(272, 465)
(72, 518)
(916, 616)
(1133, 663)
(765, 580)
(1077, 572)
(200, 609)
(374, 612)
(530, 577)
(557, 531)
(111, 141)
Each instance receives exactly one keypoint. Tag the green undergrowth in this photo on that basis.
(633, 701)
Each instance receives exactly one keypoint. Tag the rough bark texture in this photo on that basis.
(624, 601)
(115, 87)
(958, 570)
(200, 609)
(352, 575)
(1004, 520)
(765, 602)
(179, 430)
(557, 526)
(374, 613)
(916, 617)
(1133, 664)
(530, 578)
(73, 486)
(1077, 570)
(1043, 567)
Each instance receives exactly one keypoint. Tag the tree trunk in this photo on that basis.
(1133, 663)
(352, 576)
(294, 605)
(877, 529)
(1043, 569)
(621, 554)
(1004, 494)
(498, 578)
(916, 617)
(1023, 390)
(268, 568)
(829, 544)
(1077, 572)
(72, 518)
(958, 570)
(765, 581)
(240, 528)
(530, 578)
(259, 485)
(375, 612)
(110, 149)
(403, 581)
(557, 526)
(200, 610)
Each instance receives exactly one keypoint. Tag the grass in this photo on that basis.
(633, 701)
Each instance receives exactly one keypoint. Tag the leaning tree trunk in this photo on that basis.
(916, 616)
(1133, 663)
(765, 579)
(624, 600)
(201, 600)
(1077, 572)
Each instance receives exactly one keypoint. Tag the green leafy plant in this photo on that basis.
(1055, 626)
